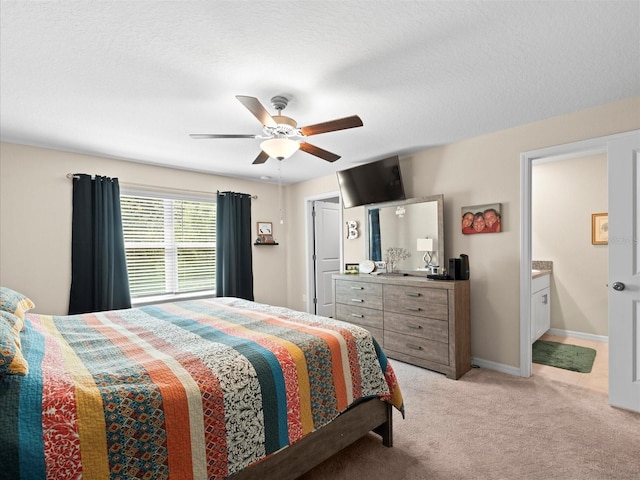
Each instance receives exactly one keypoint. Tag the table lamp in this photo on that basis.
(426, 245)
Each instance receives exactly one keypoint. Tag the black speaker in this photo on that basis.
(464, 267)
(459, 268)
(454, 268)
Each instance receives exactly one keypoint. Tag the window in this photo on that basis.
(170, 245)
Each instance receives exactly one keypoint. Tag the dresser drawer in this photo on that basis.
(359, 293)
(429, 328)
(366, 317)
(424, 302)
(416, 347)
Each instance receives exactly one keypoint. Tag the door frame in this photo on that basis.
(310, 244)
(565, 151)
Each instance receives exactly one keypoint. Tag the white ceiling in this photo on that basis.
(131, 79)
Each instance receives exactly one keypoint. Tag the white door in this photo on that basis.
(327, 253)
(624, 271)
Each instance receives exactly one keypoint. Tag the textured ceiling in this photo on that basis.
(131, 79)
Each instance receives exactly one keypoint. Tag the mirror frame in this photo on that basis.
(439, 199)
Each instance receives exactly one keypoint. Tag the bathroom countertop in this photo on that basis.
(540, 273)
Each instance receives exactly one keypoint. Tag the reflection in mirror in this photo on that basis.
(401, 224)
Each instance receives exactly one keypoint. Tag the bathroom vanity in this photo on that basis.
(540, 303)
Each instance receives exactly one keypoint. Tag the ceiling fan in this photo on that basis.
(281, 134)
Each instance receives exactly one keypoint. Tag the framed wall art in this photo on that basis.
(482, 219)
(599, 228)
(265, 228)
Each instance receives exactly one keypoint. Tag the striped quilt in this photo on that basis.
(196, 389)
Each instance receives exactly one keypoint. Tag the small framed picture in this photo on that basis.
(482, 218)
(599, 228)
(267, 239)
(265, 228)
(351, 268)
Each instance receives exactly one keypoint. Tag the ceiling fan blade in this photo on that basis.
(254, 106)
(332, 126)
(318, 152)
(214, 135)
(261, 158)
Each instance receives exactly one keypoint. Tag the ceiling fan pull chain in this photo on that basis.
(280, 192)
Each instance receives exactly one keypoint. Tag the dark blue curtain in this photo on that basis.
(374, 228)
(99, 278)
(234, 262)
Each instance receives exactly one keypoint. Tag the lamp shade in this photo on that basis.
(279, 148)
(425, 245)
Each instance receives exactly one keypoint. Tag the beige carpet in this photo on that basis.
(489, 425)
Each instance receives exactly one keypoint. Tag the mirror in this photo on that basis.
(401, 224)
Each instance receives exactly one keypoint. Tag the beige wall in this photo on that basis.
(479, 170)
(564, 195)
(35, 219)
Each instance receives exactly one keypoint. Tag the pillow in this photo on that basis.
(14, 302)
(16, 323)
(12, 362)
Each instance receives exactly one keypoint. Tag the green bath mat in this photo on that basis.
(562, 355)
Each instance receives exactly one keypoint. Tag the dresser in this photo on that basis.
(418, 321)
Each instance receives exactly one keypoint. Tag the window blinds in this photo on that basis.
(170, 245)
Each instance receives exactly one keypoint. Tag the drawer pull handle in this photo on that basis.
(414, 347)
(415, 327)
(359, 315)
(359, 300)
(357, 288)
(413, 309)
(412, 294)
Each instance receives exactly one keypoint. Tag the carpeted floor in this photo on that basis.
(489, 425)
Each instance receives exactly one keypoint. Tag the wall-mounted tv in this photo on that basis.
(375, 182)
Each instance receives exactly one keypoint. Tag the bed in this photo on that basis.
(217, 388)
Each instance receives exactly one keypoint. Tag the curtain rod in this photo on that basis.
(71, 176)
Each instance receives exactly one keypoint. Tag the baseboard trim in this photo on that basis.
(583, 336)
(508, 369)
(498, 367)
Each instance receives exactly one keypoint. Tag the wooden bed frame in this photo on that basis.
(291, 462)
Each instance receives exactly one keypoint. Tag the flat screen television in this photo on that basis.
(375, 182)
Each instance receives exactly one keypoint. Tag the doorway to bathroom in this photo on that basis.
(565, 193)
(623, 183)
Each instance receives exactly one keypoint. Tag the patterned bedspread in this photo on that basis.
(196, 389)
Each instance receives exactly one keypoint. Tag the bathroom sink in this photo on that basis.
(535, 273)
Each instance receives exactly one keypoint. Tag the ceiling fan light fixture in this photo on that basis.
(279, 148)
